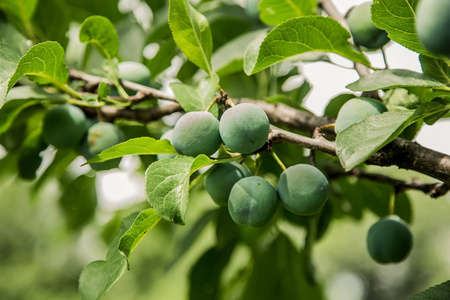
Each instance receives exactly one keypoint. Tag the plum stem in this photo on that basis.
(278, 160)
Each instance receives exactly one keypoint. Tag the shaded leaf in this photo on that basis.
(438, 292)
(273, 12)
(192, 99)
(100, 32)
(11, 110)
(400, 98)
(436, 68)
(335, 104)
(52, 18)
(19, 12)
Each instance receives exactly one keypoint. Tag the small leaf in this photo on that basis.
(137, 146)
(436, 68)
(144, 222)
(400, 98)
(360, 140)
(103, 90)
(300, 35)
(100, 32)
(273, 12)
(191, 33)
(438, 292)
(192, 99)
(386, 79)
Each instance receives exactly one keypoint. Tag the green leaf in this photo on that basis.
(400, 98)
(167, 185)
(145, 221)
(43, 63)
(34, 93)
(11, 37)
(52, 18)
(191, 33)
(273, 12)
(19, 12)
(436, 68)
(98, 276)
(100, 32)
(137, 146)
(11, 110)
(192, 99)
(386, 79)
(360, 140)
(438, 292)
(300, 35)
(335, 104)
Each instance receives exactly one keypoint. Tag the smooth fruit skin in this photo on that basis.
(134, 72)
(167, 136)
(195, 133)
(303, 189)
(357, 109)
(389, 240)
(101, 136)
(219, 182)
(244, 128)
(64, 126)
(363, 31)
(433, 25)
(253, 202)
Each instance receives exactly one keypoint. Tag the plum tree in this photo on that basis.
(244, 128)
(363, 30)
(134, 71)
(389, 240)
(432, 25)
(357, 109)
(219, 182)
(101, 136)
(253, 201)
(195, 133)
(303, 189)
(64, 126)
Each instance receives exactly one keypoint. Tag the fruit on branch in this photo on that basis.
(253, 202)
(168, 136)
(219, 182)
(100, 137)
(244, 128)
(357, 109)
(363, 31)
(195, 133)
(389, 240)
(303, 189)
(433, 25)
(134, 72)
(64, 126)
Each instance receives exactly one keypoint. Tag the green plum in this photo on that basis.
(303, 189)
(195, 133)
(389, 240)
(64, 126)
(253, 202)
(219, 182)
(167, 136)
(244, 128)
(357, 109)
(363, 31)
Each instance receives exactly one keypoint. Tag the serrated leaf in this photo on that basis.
(436, 68)
(191, 33)
(98, 276)
(19, 12)
(438, 292)
(100, 32)
(273, 12)
(137, 146)
(386, 79)
(167, 185)
(360, 140)
(43, 63)
(145, 221)
(301, 35)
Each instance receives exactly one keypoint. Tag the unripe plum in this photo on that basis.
(64, 126)
(364, 32)
(167, 136)
(134, 72)
(303, 189)
(219, 182)
(195, 133)
(433, 25)
(244, 128)
(357, 109)
(389, 240)
(100, 137)
(253, 202)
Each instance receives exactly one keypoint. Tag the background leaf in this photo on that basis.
(436, 68)
(438, 292)
(19, 12)
(100, 32)
(273, 12)
(192, 99)
(300, 35)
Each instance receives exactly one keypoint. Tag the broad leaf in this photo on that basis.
(386, 79)
(100, 32)
(167, 185)
(144, 222)
(19, 12)
(438, 292)
(11, 110)
(400, 98)
(52, 18)
(273, 12)
(191, 33)
(192, 99)
(137, 146)
(360, 140)
(436, 68)
(300, 35)
(98, 276)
